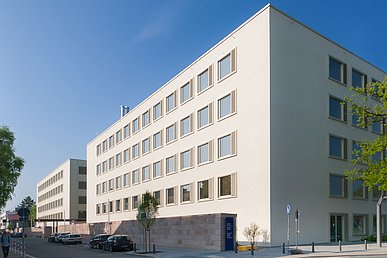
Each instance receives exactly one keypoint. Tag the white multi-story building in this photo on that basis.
(252, 125)
(61, 195)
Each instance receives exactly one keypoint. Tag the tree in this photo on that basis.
(10, 165)
(370, 106)
(33, 215)
(252, 233)
(146, 215)
(28, 203)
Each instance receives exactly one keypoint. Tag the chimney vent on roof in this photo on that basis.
(124, 110)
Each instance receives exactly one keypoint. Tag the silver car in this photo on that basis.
(72, 239)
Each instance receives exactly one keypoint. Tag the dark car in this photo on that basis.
(18, 235)
(51, 238)
(98, 240)
(118, 242)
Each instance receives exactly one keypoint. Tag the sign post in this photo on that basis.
(288, 209)
(297, 226)
(23, 213)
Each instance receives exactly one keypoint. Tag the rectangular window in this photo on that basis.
(360, 225)
(82, 171)
(104, 208)
(356, 120)
(376, 193)
(98, 149)
(104, 189)
(170, 192)
(157, 196)
(338, 186)
(126, 180)
(81, 199)
(110, 206)
(146, 146)
(135, 202)
(98, 169)
(185, 193)
(227, 145)
(111, 163)
(119, 136)
(227, 65)
(104, 146)
(157, 111)
(118, 182)
(377, 127)
(98, 209)
(337, 70)
(126, 131)
(98, 189)
(171, 164)
(118, 205)
(359, 191)
(205, 153)
(136, 125)
(337, 109)
(186, 125)
(104, 166)
(111, 141)
(227, 185)
(135, 176)
(205, 80)
(227, 105)
(135, 151)
(186, 92)
(186, 159)
(171, 102)
(205, 189)
(205, 116)
(359, 80)
(171, 133)
(157, 140)
(146, 119)
(126, 155)
(145, 173)
(111, 185)
(82, 185)
(157, 169)
(126, 204)
(337, 147)
(118, 160)
(356, 150)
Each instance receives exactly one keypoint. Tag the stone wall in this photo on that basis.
(205, 232)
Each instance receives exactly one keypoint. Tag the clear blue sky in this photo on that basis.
(67, 66)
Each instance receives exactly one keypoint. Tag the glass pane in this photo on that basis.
(185, 126)
(357, 79)
(203, 116)
(335, 186)
(185, 93)
(225, 186)
(335, 70)
(185, 159)
(225, 106)
(225, 66)
(335, 147)
(357, 189)
(203, 81)
(204, 153)
(170, 102)
(335, 108)
(225, 146)
(203, 190)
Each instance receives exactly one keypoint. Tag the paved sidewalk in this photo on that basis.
(348, 250)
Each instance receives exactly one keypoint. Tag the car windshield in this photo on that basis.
(76, 235)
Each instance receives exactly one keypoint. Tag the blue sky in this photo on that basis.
(67, 66)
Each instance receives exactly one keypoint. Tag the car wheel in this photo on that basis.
(111, 249)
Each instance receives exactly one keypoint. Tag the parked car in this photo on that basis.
(72, 239)
(58, 238)
(98, 240)
(18, 235)
(51, 238)
(118, 242)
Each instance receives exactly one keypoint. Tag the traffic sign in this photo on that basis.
(288, 209)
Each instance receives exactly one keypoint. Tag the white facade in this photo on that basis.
(61, 195)
(265, 116)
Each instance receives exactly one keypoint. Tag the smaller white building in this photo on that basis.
(61, 195)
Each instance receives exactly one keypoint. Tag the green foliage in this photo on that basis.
(147, 211)
(10, 165)
(33, 214)
(370, 105)
(29, 203)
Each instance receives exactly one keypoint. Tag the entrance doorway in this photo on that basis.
(338, 227)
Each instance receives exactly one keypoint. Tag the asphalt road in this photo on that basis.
(40, 248)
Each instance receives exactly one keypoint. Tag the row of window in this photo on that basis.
(51, 193)
(226, 147)
(59, 215)
(50, 181)
(338, 72)
(226, 66)
(184, 194)
(51, 205)
(338, 149)
(338, 111)
(338, 187)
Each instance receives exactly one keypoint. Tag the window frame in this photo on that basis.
(233, 186)
(343, 148)
(210, 80)
(210, 116)
(343, 109)
(174, 96)
(343, 71)
(233, 67)
(343, 186)
(159, 104)
(189, 86)
(233, 105)
(233, 145)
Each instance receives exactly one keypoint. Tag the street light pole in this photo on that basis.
(110, 225)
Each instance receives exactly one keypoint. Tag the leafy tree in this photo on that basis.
(33, 214)
(10, 165)
(370, 106)
(146, 215)
(252, 233)
(28, 203)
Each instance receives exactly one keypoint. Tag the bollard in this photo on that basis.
(283, 248)
(252, 249)
(365, 245)
(154, 248)
(312, 247)
(134, 247)
(340, 246)
(236, 247)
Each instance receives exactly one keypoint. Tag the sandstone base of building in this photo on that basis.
(206, 232)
